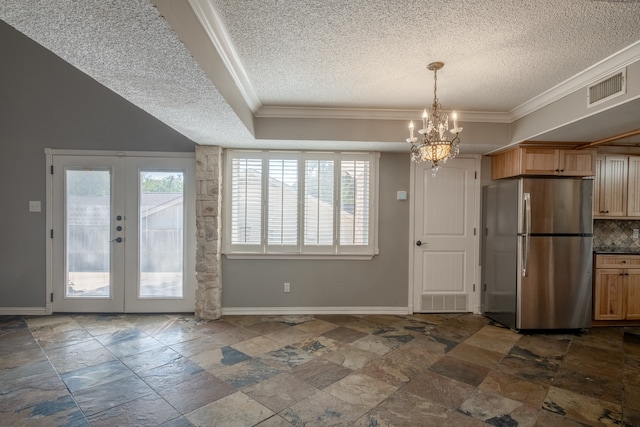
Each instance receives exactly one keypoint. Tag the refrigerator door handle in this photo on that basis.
(526, 241)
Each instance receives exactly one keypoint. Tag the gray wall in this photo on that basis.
(45, 102)
(380, 282)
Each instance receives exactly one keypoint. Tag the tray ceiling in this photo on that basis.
(336, 60)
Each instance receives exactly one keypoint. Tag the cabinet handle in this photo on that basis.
(624, 261)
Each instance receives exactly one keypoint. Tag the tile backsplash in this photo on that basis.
(614, 233)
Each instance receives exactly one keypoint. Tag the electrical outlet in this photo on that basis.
(287, 287)
(636, 233)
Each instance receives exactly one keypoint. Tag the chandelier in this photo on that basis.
(434, 144)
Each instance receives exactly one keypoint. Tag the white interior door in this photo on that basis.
(445, 247)
(123, 230)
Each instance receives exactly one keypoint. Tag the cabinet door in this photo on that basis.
(633, 294)
(598, 182)
(633, 195)
(540, 161)
(506, 164)
(614, 188)
(577, 162)
(609, 294)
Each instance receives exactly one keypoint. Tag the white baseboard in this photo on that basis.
(23, 311)
(269, 311)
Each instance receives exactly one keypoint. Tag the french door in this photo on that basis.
(123, 229)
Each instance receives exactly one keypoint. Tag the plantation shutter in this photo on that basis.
(282, 223)
(319, 203)
(246, 201)
(354, 202)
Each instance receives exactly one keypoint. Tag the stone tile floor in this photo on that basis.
(342, 370)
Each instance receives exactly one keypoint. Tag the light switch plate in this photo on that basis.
(401, 195)
(35, 206)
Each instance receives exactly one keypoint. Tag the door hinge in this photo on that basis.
(475, 175)
(52, 233)
(485, 287)
(474, 287)
(51, 169)
(474, 231)
(51, 297)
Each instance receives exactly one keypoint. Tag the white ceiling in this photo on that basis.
(219, 71)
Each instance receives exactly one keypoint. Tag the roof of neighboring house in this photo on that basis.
(95, 210)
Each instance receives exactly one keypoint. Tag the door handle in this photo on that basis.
(117, 240)
(418, 243)
(525, 239)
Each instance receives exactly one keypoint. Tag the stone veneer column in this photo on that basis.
(208, 229)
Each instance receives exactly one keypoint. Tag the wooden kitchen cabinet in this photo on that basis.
(616, 292)
(633, 187)
(617, 187)
(608, 297)
(543, 161)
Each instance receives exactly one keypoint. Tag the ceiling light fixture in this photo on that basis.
(434, 144)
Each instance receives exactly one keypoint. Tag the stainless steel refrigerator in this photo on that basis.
(537, 257)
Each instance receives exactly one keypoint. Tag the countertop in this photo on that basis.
(616, 250)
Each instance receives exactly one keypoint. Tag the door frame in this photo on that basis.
(49, 153)
(474, 298)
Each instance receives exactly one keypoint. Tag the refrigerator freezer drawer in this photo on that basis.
(556, 291)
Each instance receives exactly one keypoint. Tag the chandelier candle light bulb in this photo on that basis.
(434, 145)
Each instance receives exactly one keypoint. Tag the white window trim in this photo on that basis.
(346, 252)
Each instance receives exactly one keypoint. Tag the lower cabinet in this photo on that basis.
(616, 294)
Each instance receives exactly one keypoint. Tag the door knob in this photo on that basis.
(418, 243)
(117, 240)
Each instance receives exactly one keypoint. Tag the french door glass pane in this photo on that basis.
(161, 234)
(88, 250)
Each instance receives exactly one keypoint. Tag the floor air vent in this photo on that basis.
(444, 303)
(607, 88)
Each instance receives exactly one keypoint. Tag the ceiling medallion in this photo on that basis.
(434, 144)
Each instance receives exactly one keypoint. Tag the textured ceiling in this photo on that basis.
(373, 53)
(333, 55)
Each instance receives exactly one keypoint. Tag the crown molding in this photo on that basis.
(289, 112)
(601, 69)
(214, 26)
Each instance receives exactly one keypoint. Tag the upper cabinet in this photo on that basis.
(617, 187)
(610, 186)
(543, 161)
(633, 184)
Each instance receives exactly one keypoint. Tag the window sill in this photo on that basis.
(326, 257)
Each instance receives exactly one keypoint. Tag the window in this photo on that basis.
(283, 203)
